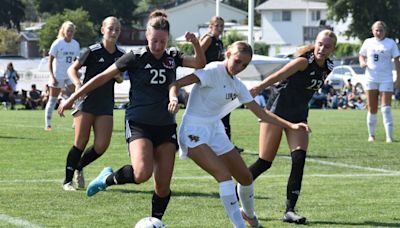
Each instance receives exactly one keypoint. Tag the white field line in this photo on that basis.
(18, 221)
(339, 164)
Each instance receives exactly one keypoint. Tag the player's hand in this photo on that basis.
(67, 104)
(119, 78)
(191, 37)
(173, 106)
(254, 91)
(301, 126)
(53, 81)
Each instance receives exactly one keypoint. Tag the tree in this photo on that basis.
(11, 13)
(8, 40)
(364, 13)
(84, 34)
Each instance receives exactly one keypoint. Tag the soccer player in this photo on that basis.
(217, 92)
(214, 51)
(63, 50)
(96, 109)
(150, 127)
(298, 81)
(376, 56)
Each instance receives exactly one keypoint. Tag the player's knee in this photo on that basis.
(246, 178)
(142, 176)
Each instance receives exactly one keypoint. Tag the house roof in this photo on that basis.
(192, 3)
(291, 5)
(29, 36)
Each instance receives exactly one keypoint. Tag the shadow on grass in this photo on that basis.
(365, 223)
(177, 193)
(12, 137)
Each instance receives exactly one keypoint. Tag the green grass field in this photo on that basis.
(348, 182)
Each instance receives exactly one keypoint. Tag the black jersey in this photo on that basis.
(96, 59)
(215, 52)
(293, 94)
(150, 79)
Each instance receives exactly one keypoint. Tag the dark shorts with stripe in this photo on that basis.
(156, 134)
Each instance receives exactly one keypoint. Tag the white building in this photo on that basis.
(288, 24)
(188, 16)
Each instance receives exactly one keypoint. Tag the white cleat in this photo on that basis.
(80, 179)
(371, 138)
(68, 187)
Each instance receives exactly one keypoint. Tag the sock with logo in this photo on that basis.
(295, 178)
(159, 205)
(229, 200)
(88, 157)
(73, 157)
(371, 123)
(387, 121)
(122, 176)
(49, 110)
(246, 196)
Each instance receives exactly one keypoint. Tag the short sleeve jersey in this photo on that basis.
(379, 55)
(150, 79)
(291, 100)
(215, 52)
(64, 54)
(217, 93)
(97, 59)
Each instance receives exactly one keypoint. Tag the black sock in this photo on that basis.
(159, 205)
(295, 178)
(73, 157)
(259, 166)
(122, 176)
(88, 157)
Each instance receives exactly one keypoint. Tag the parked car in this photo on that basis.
(340, 74)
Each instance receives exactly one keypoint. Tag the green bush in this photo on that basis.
(346, 49)
(186, 48)
(261, 48)
(231, 37)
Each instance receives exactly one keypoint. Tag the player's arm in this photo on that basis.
(298, 64)
(363, 61)
(397, 66)
(197, 61)
(205, 43)
(174, 88)
(73, 74)
(270, 117)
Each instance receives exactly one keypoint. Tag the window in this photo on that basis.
(281, 15)
(315, 15)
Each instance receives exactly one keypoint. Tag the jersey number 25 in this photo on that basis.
(158, 76)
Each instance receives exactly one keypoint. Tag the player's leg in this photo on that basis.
(298, 144)
(204, 157)
(386, 109)
(82, 132)
(269, 140)
(245, 188)
(51, 104)
(164, 160)
(372, 95)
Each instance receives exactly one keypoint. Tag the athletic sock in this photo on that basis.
(387, 121)
(259, 166)
(159, 205)
(89, 156)
(229, 200)
(371, 123)
(122, 176)
(246, 196)
(73, 157)
(295, 179)
(49, 110)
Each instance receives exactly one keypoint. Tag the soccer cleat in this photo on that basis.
(80, 179)
(48, 128)
(99, 183)
(68, 187)
(253, 222)
(371, 138)
(389, 140)
(292, 217)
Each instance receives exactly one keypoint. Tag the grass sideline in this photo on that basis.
(348, 182)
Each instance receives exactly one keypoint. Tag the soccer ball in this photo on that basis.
(150, 222)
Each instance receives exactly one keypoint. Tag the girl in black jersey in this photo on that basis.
(96, 109)
(150, 127)
(299, 79)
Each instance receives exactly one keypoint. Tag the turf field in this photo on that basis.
(348, 182)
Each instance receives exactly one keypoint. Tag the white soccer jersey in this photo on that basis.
(64, 54)
(379, 55)
(216, 95)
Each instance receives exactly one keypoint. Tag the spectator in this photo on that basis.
(12, 77)
(34, 98)
(6, 93)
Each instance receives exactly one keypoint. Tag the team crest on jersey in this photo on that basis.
(194, 138)
(169, 63)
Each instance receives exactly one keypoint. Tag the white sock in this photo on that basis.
(387, 121)
(246, 196)
(228, 198)
(371, 123)
(49, 110)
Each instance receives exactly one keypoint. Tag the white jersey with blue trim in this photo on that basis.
(64, 53)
